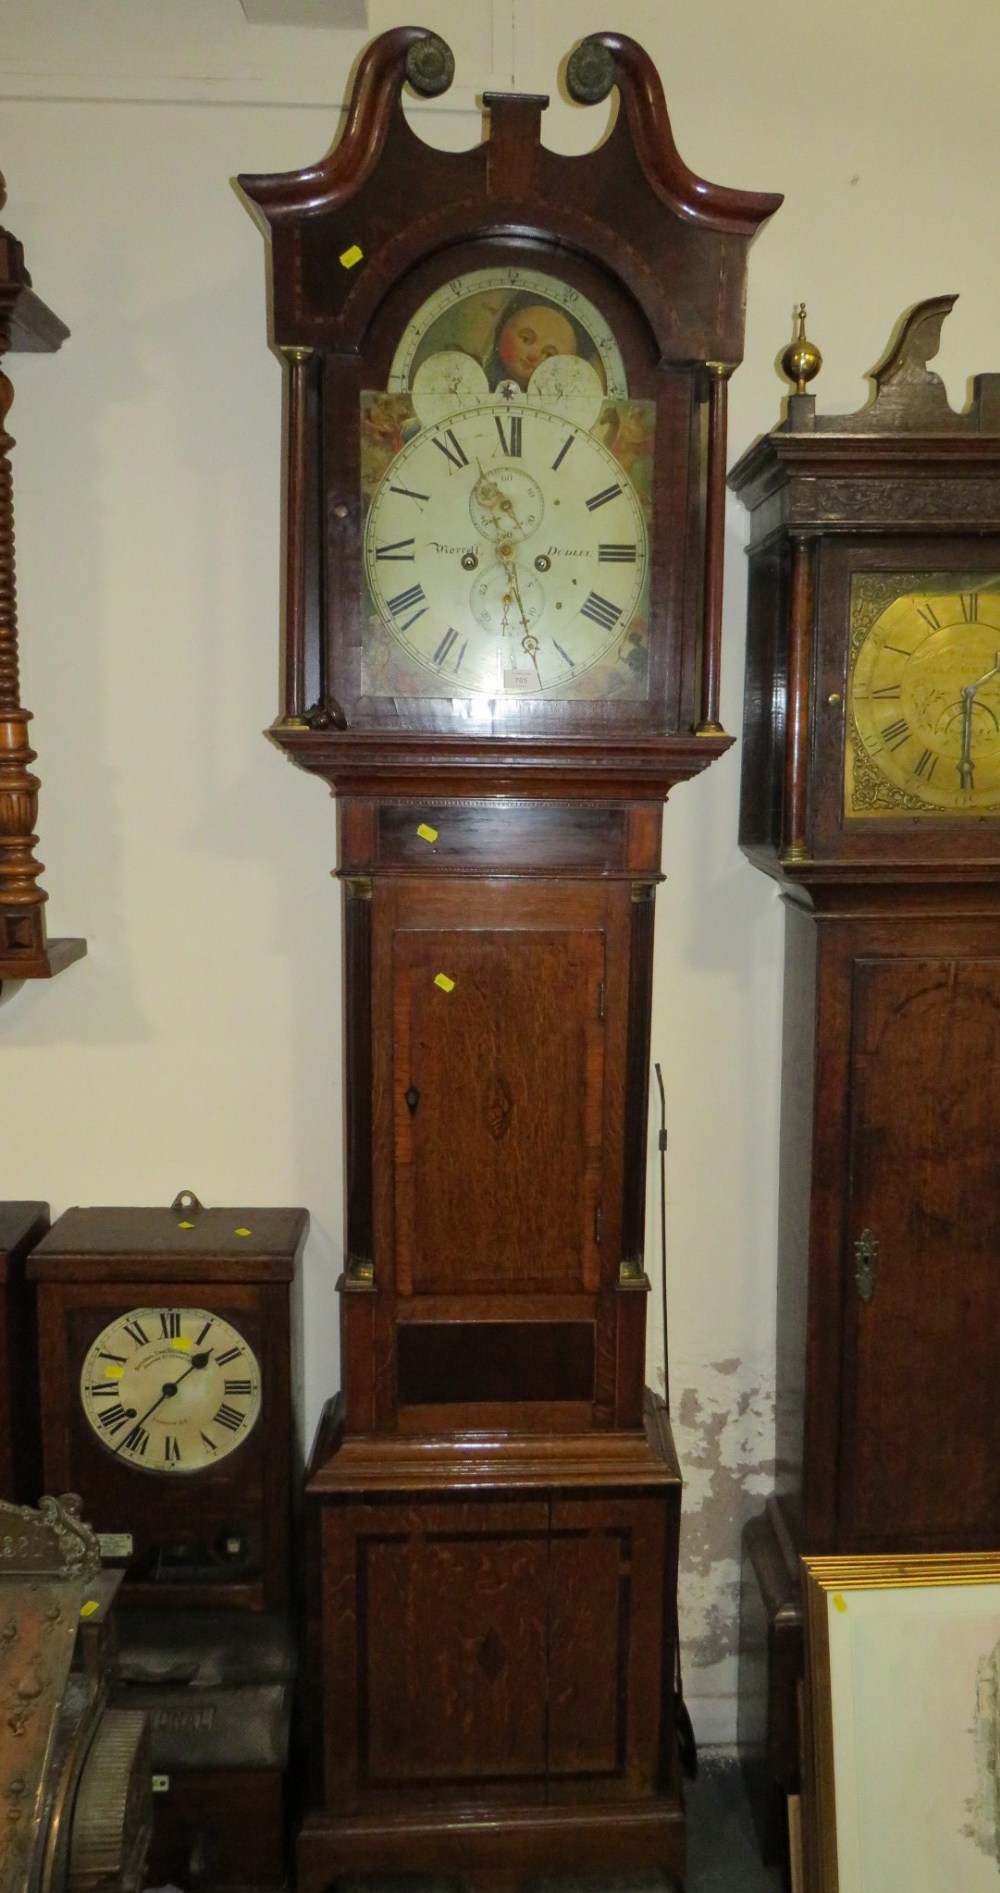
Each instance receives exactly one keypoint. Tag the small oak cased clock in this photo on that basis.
(871, 791)
(165, 1388)
(505, 480)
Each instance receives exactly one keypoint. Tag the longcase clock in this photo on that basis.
(871, 791)
(505, 436)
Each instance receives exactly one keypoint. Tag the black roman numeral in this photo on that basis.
(228, 1417)
(171, 1450)
(452, 451)
(408, 494)
(114, 1418)
(617, 555)
(929, 616)
(238, 1386)
(137, 1333)
(887, 690)
(231, 1354)
(926, 766)
(170, 1324)
(404, 601)
(563, 451)
(601, 611)
(394, 549)
(450, 638)
(512, 444)
(601, 499)
(136, 1441)
(970, 607)
(104, 1356)
(103, 1387)
(199, 1338)
(895, 734)
(564, 654)
(210, 1443)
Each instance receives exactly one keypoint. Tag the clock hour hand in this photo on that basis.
(169, 1389)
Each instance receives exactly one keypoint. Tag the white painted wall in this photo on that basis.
(198, 1045)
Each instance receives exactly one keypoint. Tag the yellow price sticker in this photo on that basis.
(242, 1232)
(113, 1373)
(839, 1602)
(447, 985)
(181, 1341)
(185, 1225)
(348, 258)
(88, 1609)
(426, 832)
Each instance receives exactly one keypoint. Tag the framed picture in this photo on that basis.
(901, 1724)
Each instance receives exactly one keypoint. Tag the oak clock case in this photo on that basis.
(505, 451)
(166, 1404)
(871, 792)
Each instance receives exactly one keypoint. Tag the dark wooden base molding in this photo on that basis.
(770, 1669)
(495, 1846)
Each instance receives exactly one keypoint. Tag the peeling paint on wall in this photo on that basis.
(723, 1425)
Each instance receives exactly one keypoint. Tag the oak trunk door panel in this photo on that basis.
(498, 1166)
(923, 1289)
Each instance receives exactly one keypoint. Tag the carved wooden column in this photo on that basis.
(25, 950)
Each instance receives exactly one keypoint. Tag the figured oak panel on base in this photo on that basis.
(495, 1644)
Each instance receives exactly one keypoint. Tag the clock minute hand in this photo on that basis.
(966, 773)
(169, 1389)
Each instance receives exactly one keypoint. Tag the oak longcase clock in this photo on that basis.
(871, 790)
(505, 437)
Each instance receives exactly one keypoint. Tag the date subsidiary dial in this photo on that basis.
(170, 1390)
(506, 552)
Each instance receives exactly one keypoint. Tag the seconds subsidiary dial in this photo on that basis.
(170, 1390)
(506, 553)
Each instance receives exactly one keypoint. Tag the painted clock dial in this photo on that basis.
(506, 479)
(506, 554)
(170, 1390)
(924, 696)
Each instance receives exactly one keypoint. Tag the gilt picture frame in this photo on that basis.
(901, 1725)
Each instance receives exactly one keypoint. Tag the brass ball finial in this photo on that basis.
(801, 359)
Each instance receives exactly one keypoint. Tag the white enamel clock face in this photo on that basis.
(170, 1390)
(506, 552)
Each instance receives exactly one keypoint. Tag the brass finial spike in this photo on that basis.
(801, 359)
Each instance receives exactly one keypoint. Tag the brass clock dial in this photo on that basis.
(924, 697)
(170, 1390)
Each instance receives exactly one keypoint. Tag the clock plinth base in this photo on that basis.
(490, 1653)
(500, 1845)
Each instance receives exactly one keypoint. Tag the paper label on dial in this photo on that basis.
(115, 1544)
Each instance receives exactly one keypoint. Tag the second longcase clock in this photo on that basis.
(505, 440)
(871, 791)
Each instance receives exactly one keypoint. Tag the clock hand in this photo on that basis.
(529, 642)
(170, 1388)
(965, 769)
